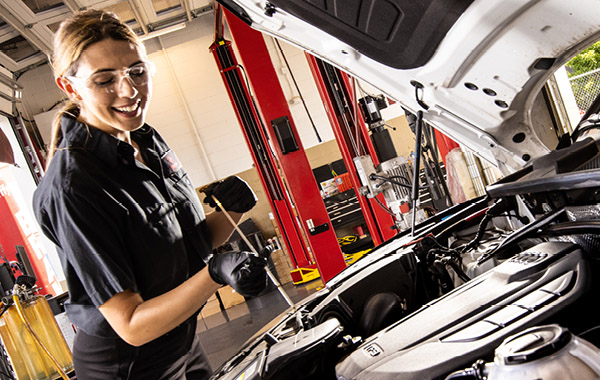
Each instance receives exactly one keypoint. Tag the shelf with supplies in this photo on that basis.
(343, 208)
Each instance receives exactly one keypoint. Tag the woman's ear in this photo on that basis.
(66, 85)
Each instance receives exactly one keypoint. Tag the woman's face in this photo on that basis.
(105, 87)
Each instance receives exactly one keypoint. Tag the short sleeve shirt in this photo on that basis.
(119, 224)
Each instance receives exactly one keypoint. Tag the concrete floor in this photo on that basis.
(222, 334)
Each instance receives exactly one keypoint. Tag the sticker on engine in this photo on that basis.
(373, 350)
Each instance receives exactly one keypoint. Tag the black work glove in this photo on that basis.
(243, 271)
(233, 193)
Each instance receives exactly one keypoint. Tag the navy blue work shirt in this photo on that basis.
(119, 224)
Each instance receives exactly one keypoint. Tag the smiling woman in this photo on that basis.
(109, 97)
(132, 237)
(91, 47)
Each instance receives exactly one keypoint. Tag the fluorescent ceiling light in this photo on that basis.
(162, 32)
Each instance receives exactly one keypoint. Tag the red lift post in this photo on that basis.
(352, 136)
(293, 164)
(254, 134)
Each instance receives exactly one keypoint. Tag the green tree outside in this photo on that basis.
(585, 87)
(587, 60)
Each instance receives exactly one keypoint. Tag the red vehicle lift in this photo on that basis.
(352, 136)
(313, 232)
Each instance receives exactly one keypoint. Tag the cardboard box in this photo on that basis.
(282, 266)
(211, 307)
(230, 297)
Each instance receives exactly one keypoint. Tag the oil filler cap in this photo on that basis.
(531, 344)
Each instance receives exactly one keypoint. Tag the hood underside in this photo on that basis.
(474, 67)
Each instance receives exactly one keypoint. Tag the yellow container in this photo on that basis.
(28, 359)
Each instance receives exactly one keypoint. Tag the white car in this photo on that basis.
(500, 287)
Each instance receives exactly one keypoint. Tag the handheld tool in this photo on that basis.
(269, 273)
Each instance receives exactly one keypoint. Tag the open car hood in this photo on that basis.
(474, 67)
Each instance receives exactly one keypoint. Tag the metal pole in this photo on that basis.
(416, 169)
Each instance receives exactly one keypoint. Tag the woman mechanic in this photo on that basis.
(133, 240)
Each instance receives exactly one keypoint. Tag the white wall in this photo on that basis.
(40, 92)
(300, 71)
(190, 106)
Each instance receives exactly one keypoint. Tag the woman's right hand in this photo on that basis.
(243, 271)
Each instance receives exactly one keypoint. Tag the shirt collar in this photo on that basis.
(107, 148)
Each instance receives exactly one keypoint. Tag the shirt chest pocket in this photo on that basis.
(160, 222)
(159, 248)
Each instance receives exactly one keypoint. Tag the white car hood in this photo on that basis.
(507, 47)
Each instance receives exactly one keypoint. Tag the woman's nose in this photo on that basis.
(126, 88)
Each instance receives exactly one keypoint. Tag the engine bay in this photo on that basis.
(442, 301)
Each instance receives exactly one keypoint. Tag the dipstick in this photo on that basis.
(269, 273)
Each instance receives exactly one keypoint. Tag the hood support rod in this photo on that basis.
(416, 166)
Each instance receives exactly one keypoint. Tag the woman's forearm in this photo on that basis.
(139, 321)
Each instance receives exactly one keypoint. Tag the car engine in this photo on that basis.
(486, 289)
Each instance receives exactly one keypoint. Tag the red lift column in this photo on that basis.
(353, 140)
(254, 133)
(294, 165)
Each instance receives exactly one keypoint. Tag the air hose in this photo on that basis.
(36, 338)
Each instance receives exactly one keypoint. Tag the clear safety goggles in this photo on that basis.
(109, 81)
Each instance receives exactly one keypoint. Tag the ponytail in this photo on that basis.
(70, 108)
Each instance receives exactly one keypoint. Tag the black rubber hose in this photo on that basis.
(480, 231)
(501, 205)
(458, 270)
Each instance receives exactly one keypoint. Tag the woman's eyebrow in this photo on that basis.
(102, 71)
(108, 69)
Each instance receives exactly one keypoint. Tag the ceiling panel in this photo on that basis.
(17, 48)
(123, 10)
(162, 6)
(38, 6)
(27, 27)
(54, 26)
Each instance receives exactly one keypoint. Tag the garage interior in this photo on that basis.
(198, 113)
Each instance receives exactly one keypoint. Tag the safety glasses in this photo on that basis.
(109, 81)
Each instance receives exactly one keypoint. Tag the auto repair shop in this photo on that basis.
(416, 194)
